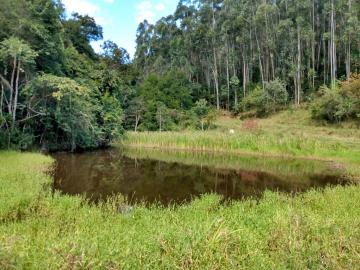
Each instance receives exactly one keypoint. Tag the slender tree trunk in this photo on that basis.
(215, 68)
(272, 66)
(260, 61)
(16, 92)
(234, 74)
(227, 76)
(298, 77)
(244, 76)
(313, 46)
(12, 82)
(348, 49)
(137, 119)
(2, 100)
(333, 46)
(325, 60)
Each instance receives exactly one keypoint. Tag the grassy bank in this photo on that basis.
(286, 134)
(318, 230)
(280, 166)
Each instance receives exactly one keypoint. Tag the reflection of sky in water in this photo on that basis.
(179, 176)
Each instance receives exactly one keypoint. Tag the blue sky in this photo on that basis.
(120, 18)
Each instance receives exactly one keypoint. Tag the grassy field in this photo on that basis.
(279, 135)
(41, 230)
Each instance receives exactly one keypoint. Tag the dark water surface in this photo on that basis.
(172, 177)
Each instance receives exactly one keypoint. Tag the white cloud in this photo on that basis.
(160, 7)
(83, 7)
(145, 12)
(109, 1)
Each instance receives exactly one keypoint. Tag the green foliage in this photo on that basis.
(338, 104)
(66, 113)
(80, 31)
(202, 110)
(234, 44)
(67, 116)
(272, 98)
(14, 48)
(56, 92)
(165, 97)
(111, 119)
(39, 229)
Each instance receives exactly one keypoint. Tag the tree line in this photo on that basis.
(229, 46)
(57, 93)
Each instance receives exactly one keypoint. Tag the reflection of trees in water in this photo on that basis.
(104, 173)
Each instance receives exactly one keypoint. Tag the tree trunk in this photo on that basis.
(333, 46)
(298, 73)
(348, 49)
(16, 92)
(313, 46)
(215, 68)
(216, 80)
(260, 61)
(137, 119)
(12, 86)
(244, 76)
(227, 76)
(2, 99)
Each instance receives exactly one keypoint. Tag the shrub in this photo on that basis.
(265, 101)
(338, 104)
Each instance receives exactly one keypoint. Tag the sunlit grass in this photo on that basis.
(275, 136)
(289, 167)
(316, 230)
(22, 182)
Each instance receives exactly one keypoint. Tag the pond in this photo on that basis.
(174, 177)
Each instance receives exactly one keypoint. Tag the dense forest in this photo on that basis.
(238, 55)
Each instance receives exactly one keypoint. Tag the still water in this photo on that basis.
(174, 177)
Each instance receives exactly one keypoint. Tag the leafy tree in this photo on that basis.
(16, 56)
(135, 111)
(202, 109)
(304, 43)
(340, 103)
(111, 119)
(66, 115)
(80, 31)
(272, 98)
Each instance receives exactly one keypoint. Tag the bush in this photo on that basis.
(265, 101)
(69, 116)
(338, 104)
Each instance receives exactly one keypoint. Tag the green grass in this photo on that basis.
(291, 169)
(289, 134)
(22, 182)
(316, 230)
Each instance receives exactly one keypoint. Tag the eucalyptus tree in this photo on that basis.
(17, 56)
(305, 43)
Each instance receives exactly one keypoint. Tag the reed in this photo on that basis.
(259, 144)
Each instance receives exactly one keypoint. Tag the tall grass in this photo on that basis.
(317, 230)
(262, 143)
(22, 182)
(289, 167)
